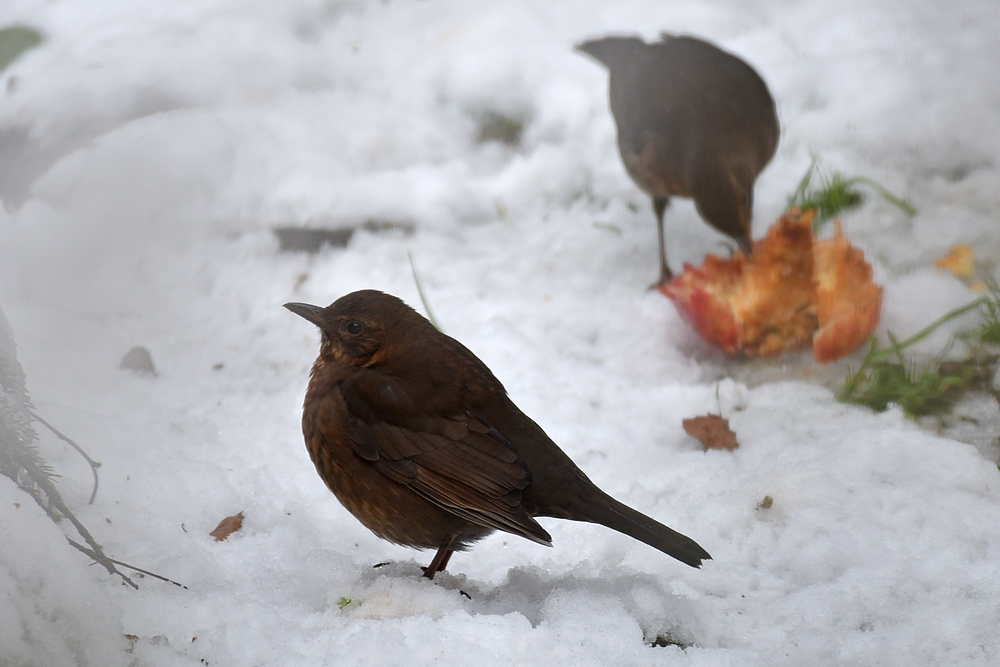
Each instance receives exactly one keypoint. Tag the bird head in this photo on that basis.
(358, 327)
(723, 195)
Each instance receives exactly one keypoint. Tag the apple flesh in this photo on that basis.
(794, 290)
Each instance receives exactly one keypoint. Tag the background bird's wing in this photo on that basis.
(457, 463)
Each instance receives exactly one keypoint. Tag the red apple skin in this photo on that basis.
(712, 317)
(794, 290)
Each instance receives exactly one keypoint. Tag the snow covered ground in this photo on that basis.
(148, 148)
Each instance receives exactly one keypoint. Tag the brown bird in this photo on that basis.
(419, 441)
(693, 121)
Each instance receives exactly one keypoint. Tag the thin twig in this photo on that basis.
(94, 465)
(56, 508)
(90, 553)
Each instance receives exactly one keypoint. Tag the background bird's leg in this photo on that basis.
(440, 560)
(659, 207)
(746, 245)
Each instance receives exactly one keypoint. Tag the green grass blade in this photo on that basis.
(897, 347)
(423, 297)
(899, 203)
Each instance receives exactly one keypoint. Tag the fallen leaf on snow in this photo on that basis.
(227, 527)
(712, 431)
(960, 261)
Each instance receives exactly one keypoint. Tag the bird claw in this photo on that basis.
(665, 279)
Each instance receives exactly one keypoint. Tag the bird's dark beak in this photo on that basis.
(312, 313)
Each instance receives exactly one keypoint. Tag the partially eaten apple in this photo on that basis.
(794, 289)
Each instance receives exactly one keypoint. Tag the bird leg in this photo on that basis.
(660, 207)
(441, 558)
(746, 245)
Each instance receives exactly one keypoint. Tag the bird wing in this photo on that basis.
(458, 463)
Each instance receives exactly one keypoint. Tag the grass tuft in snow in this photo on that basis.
(886, 376)
(836, 194)
(989, 331)
(932, 390)
(497, 127)
(15, 40)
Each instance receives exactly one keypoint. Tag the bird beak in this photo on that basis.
(312, 313)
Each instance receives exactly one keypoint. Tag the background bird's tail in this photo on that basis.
(624, 519)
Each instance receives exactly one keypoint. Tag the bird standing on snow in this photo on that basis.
(693, 121)
(419, 441)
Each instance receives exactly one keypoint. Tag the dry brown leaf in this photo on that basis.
(979, 287)
(712, 431)
(227, 527)
(960, 261)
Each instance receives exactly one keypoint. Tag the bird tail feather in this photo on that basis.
(624, 519)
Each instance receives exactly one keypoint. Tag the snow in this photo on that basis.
(148, 148)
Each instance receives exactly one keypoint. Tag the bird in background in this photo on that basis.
(419, 441)
(693, 121)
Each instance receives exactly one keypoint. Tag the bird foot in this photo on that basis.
(440, 560)
(664, 280)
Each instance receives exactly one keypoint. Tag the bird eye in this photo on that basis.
(354, 327)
